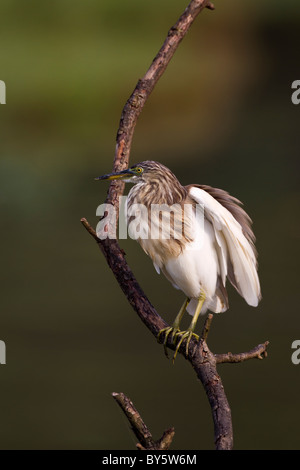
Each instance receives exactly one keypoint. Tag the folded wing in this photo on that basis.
(234, 240)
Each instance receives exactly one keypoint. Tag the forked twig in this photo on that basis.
(144, 436)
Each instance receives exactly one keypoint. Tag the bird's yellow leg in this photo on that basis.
(189, 333)
(174, 329)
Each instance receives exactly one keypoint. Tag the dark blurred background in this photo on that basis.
(221, 115)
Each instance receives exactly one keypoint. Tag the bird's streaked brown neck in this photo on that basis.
(156, 189)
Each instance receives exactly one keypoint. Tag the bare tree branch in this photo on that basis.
(200, 357)
(206, 327)
(258, 352)
(144, 436)
(143, 89)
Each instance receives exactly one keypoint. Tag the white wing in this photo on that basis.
(237, 258)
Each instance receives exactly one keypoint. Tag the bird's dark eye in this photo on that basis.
(138, 170)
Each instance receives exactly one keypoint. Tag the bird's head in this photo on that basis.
(144, 172)
(156, 183)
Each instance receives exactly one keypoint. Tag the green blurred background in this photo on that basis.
(221, 115)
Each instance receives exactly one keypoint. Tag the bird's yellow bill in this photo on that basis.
(116, 176)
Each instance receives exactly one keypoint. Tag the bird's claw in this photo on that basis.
(184, 335)
(177, 333)
(166, 332)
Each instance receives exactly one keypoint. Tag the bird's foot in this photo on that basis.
(166, 332)
(188, 334)
(175, 334)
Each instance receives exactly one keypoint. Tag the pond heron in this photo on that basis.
(196, 253)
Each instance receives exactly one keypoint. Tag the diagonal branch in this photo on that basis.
(143, 89)
(200, 357)
(144, 436)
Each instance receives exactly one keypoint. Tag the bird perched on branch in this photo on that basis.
(197, 250)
